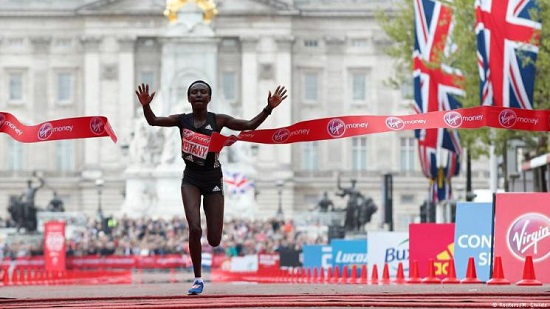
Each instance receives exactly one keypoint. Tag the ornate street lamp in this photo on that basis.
(279, 185)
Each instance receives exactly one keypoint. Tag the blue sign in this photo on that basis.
(317, 256)
(349, 252)
(474, 223)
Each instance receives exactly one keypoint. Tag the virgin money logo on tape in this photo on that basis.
(507, 118)
(336, 127)
(530, 235)
(230, 141)
(395, 123)
(453, 119)
(45, 131)
(2, 120)
(280, 136)
(97, 126)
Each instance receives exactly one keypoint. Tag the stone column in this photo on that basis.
(249, 72)
(91, 97)
(127, 86)
(41, 49)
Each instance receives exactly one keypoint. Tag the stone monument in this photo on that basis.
(155, 168)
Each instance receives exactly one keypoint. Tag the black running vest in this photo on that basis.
(195, 142)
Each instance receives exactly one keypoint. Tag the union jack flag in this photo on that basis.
(436, 87)
(507, 36)
(237, 183)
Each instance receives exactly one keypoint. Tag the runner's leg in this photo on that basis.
(213, 210)
(191, 198)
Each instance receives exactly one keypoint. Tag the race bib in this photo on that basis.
(194, 146)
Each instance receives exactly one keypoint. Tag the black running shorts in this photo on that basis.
(208, 182)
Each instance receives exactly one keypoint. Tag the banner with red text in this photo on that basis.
(348, 126)
(54, 245)
(68, 128)
(522, 228)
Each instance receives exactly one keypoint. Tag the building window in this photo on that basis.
(65, 155)
(311, 43)
(148, 78)
(65, 86)
(310, 156)
(15, 155)
(229, 86)
(359, 87)
(311, 86)
(359, 153)
(15, 86)
(409, 155)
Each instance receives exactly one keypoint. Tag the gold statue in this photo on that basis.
(208, 8)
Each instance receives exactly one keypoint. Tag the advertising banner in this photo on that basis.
(54, 245)
(268, 263)
(317, 256)
(431, 241)
(389, 248)
(473, 228)
(349, 252)
(522, 228)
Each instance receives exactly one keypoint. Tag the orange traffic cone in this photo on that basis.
(385, 274)
(400, 276)
(529, 273)
(321, 275)
(498, 273)
(344, 274)
(374, 277)
(451, 275)
(431, 278)
(329, 275)
(336, 275)
(353, 279)
(413, 273)
(471, 274)
(364, 273)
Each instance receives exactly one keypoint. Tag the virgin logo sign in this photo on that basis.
(97, 126)
(281, 135)
(55, 241)
(453, 119)
(2, 120)
(530, 235)
(507, 118)
(45, 131)
(395, 123)
(336, 127)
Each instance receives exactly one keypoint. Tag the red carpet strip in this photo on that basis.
(458, 300)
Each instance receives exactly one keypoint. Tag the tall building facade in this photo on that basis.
(61, 59)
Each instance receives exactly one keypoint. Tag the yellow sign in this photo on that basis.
(208, 8)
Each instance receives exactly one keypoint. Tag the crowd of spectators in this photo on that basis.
(146, 236)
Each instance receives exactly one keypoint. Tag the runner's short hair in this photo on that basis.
(199, 82)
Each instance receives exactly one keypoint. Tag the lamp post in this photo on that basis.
(279, 185)
(99, 184)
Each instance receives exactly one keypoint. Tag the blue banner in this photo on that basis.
(349, 252)
(473, 228)
(317, 256)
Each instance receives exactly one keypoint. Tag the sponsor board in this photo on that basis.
(389, 248)
(431, 241)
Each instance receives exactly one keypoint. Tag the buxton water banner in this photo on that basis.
(389, 248)
(473, 228)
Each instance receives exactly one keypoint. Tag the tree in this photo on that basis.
(398, 24)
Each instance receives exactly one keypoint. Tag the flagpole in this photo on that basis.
(493, 167)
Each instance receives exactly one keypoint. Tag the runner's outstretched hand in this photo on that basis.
(278, 96)
(143, 94)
